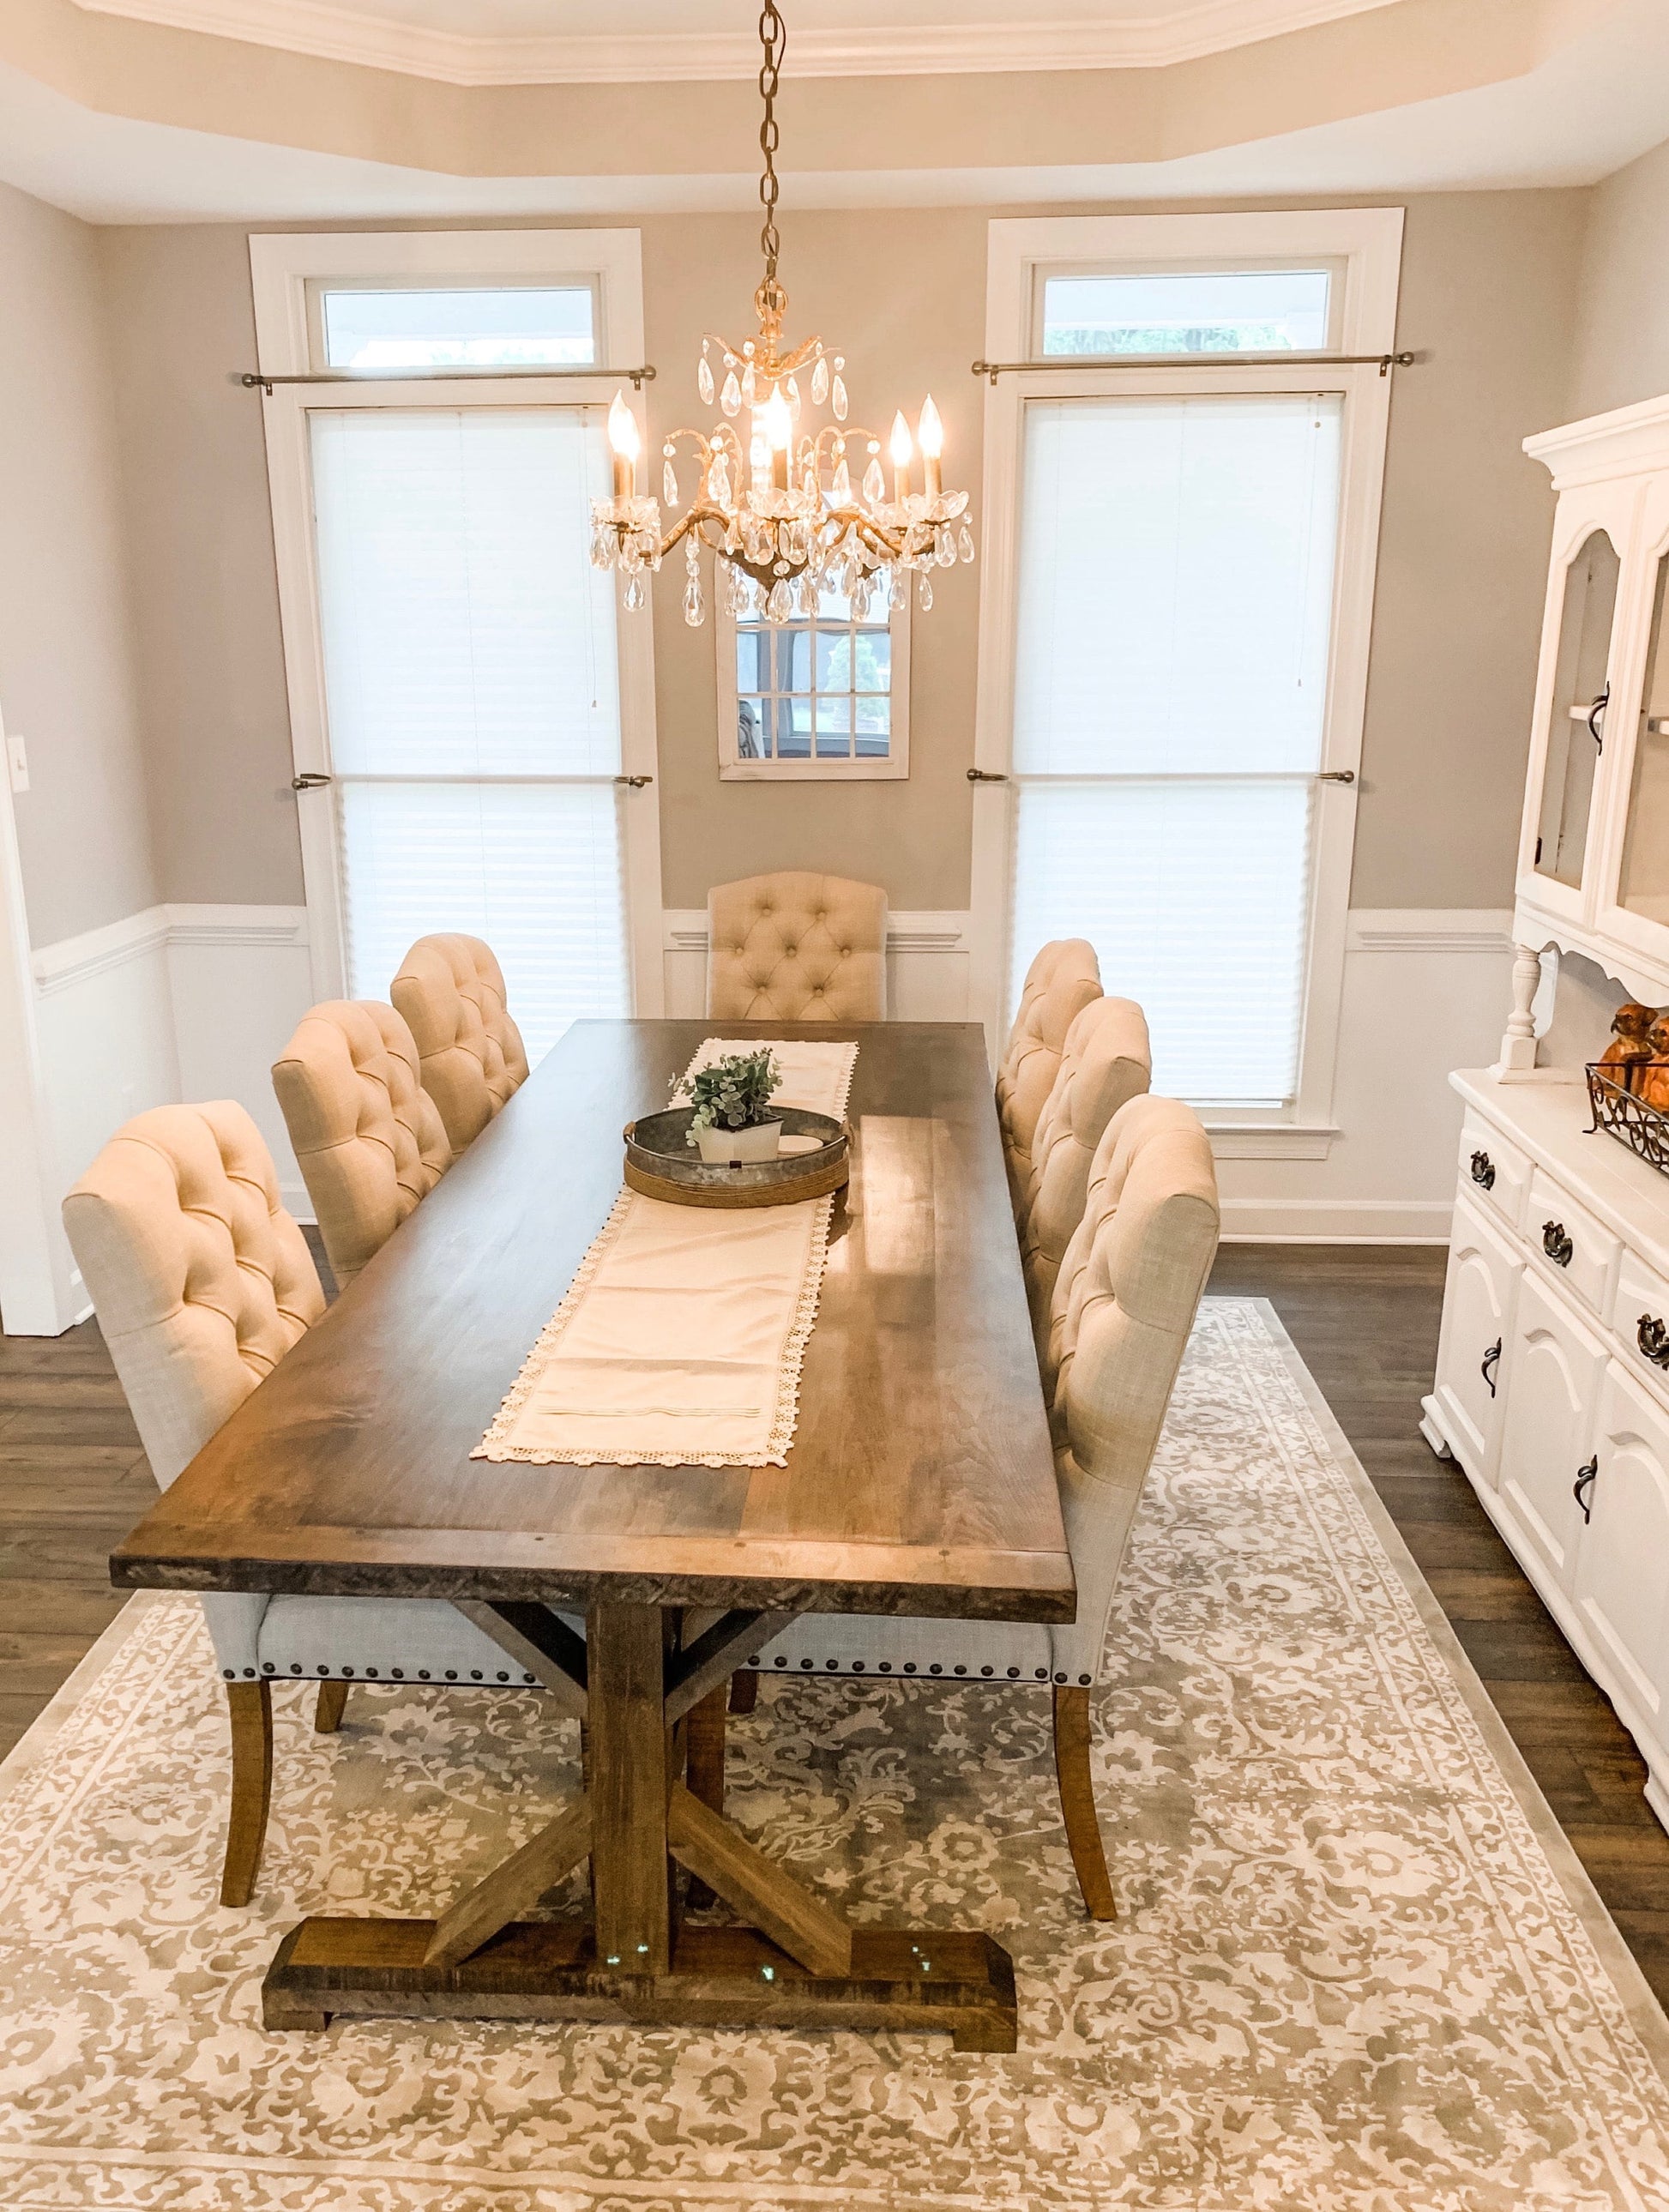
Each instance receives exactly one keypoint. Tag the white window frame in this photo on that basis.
(1366, 246)
(733, 769)
(287, 270)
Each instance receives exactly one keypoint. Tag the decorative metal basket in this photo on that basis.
(660, 1164)
(1621, 1112)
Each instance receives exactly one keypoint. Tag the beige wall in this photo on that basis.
(1488, 286)
(1488, 283)
(205, 592)
(66, 677)
(1622, 338)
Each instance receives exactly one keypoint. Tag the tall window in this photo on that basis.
(470, 670)
(1178, 604)
(473, 727)
(1175, 594)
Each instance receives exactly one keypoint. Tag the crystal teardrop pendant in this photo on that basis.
(965, 543)
(749, 388)
(704, 378)
(719, 485)
(839, 489)
(923, 591)
(838, 399)
(875, 484)
(793, 392)
(731, 398)
(669, 484)
(694, 607)
(780, 604)
(820, 380)
(632, 597)
(945, 547)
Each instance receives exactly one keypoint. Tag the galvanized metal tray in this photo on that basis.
(660, 1164)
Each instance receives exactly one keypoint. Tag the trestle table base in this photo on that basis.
(914, 1979)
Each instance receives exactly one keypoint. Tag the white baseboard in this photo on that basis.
(1326, 1221)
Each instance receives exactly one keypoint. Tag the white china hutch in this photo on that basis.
(1552, 1384)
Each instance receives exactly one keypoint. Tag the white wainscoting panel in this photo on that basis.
(196, 1001)
(928, 964)
(175, 1002)
(1426, 990)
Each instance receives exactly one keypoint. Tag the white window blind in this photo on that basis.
(472, 697)
(1176, 573)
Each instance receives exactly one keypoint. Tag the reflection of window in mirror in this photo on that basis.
(825, 697)
(1576, 711)
(1645, 884)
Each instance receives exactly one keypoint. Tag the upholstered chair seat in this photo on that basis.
(366, 1133)
(1125, 1301)
(202, 1283)
(1107, 1061)
(1062, 980)
(450, 993)
(797, 947)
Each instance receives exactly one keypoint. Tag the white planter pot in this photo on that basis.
(727, 1147)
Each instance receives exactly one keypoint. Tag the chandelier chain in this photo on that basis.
(773, 38)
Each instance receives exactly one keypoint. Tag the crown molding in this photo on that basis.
(324, 33)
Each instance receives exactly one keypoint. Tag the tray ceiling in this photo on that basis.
(576, 41)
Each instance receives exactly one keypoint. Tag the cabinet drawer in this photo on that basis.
(1640, 1316)
(1493, 1170)
(1570, 1244)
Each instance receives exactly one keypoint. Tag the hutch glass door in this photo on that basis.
(1643, 888)
(1576, 711)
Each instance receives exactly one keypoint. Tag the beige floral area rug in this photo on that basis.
(1356, 1969)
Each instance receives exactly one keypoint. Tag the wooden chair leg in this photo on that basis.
(744, 1691)
(1078, 1799)
(327, 1713)
(250, 1708)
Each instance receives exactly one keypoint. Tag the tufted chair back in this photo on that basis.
(450, 993)
(796, 947)
(1125, 1301)
(1063, 980)
(201, 1281)
(1107, 1061)
(368, 1135)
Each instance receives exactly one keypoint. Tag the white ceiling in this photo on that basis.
(557, 41)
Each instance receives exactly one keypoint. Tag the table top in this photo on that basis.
(920, 1479)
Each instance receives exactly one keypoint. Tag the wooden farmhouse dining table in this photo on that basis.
(920, 1481)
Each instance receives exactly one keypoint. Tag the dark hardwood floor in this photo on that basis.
(73, 1481)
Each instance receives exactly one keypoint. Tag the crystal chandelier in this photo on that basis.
(781, 514)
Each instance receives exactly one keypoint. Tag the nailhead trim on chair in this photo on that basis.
(885, 1666)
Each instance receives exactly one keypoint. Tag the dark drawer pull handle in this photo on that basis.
(1482, 1170)
(1491, 1360)
(1653, 1338)
(1586, 1478)
(1557, 1245)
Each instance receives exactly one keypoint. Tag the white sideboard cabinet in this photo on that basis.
(1552, 1382)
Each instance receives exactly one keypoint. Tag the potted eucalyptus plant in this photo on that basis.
(734, 1121)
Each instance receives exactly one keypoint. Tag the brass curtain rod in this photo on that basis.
(252, 380)
(1063, 363)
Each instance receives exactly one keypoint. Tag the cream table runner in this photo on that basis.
(682, 1336)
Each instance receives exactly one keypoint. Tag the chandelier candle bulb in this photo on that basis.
(901, 448)
(930, 437)
(623, 438)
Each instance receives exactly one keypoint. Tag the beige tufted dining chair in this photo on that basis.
(1061, 981)
(366, 1133)
(450, 993)
(1106, 1062)
(1124, 1305)
(797, 947)
(202, 1283)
